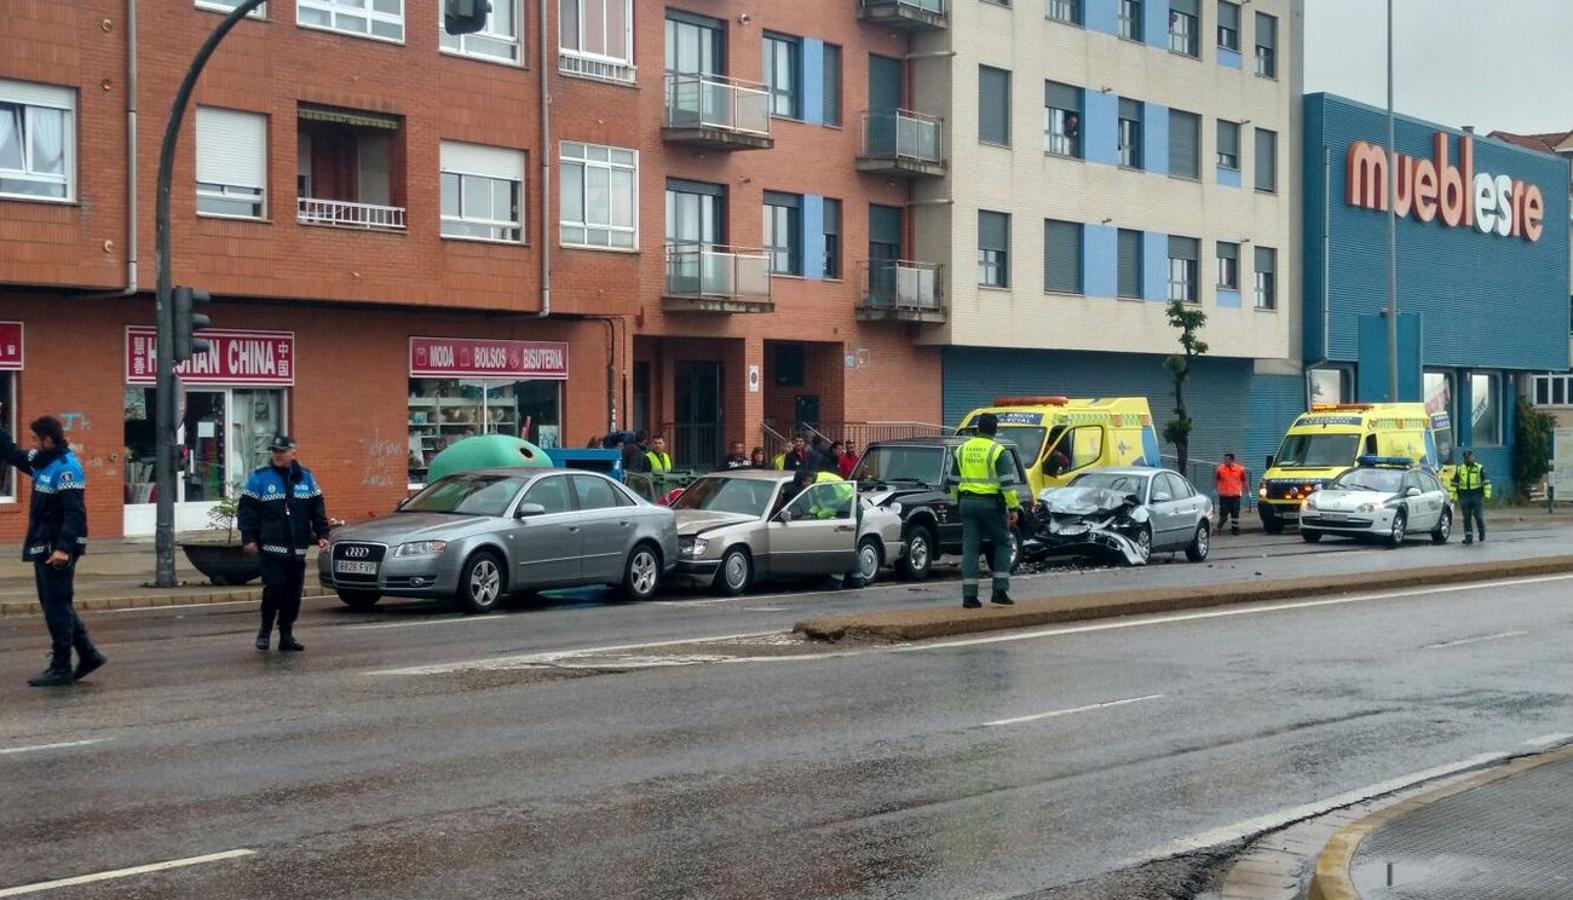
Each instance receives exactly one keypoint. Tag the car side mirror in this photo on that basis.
(529, 510)
(401, 504)
(784, 516)
(1412, 492)
(1269, 464)
(1161, 497)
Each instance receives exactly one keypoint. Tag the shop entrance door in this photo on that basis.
(698, 395)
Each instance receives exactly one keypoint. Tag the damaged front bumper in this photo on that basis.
(1082, 539)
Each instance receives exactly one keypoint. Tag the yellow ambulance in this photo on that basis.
(1333, 437)
(1058, 438)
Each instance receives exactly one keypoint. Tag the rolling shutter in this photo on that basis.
(1266, 160)
(993, 105)
(477, 159)
(232, 147)
(1130, 263)
(1185, 144)
(1061, 257)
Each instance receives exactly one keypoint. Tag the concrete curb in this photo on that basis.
(143, 601)
(948, 621)
(1332, 880)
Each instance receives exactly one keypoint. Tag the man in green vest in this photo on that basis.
(983, 481)
(1473, 489)
(660, 461)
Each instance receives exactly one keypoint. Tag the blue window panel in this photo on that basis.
(1464, 427)
(1371, 372)
(1155, 135)
(1155, 23)
(1229, 59)
(1228, 299)
(814, 81)
(1229, 177)
(813, 241)
(1101, 15)
(1100, 260)
(1100, 127)
(1155, 266)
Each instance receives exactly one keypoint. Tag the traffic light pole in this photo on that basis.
(165, 424)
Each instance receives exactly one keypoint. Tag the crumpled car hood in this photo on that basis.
(1074, 501)
(1089, 520)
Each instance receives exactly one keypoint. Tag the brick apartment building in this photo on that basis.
(362, 195)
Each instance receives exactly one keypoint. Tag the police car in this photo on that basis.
(1386, 497)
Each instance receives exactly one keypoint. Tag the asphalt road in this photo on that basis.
(995, 766)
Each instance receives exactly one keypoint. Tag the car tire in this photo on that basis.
(1444, 527)
(483, 583)
(736, 572)
(360, 601)
(870, 559)
(1144, 544)
(918, 562)
(1395, 537)
(1310, 537)
(1200, 544)
(641, 573)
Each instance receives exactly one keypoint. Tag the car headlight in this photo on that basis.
(421, 548)
(1261, 490)
(1310, 502)
(693, 546)
(1368, 507)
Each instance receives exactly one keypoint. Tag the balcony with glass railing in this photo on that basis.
(901, 290)
(909, 14)
(717, 112)
(902, 142)
(716, 278)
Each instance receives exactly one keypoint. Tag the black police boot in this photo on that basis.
(1002, 598)
(58, 673)
(89, 660)
(1469, 539)
(287, 642)
(971, 603)
(263, 638)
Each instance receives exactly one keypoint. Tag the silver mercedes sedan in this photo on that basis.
(478, 536)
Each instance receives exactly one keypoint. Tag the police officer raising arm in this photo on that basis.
(281, 514)
(56, 537)
(983, 480)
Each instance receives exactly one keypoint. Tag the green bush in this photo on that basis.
(1532, 447)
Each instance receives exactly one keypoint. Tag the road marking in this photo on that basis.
(60, 746)
(551, 657)
(655, 604)
(1475, 640)
(1072, 711)
(123, 873)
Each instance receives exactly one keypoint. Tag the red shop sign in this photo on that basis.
(10, 346)
(235, 358)
(485, 358)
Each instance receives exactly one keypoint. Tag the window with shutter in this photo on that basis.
(232, 162)
(1228, 266)
(1185, 141)
(1228, 145)
(1266, 160)
(1061, 257)
(993, 105)
(1130, 264)
(993, 248)
(1266, 278)
(1229, 25)
(1061, 119)
(482, 192)
(1130, 137)
(37, 141)
(1266, 45)
(1183, 255)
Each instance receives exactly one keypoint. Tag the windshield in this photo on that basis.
(1309, 451)
(924, 465)
(747, 496)
(1386, 481)
(467, 495)
(1027, 441)
(1112, 481)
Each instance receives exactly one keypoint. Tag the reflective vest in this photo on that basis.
(842, 494)
(1471, 477)
(977, 471)
(659, 462)
(1230, 479)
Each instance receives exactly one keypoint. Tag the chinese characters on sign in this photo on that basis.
(234, 358)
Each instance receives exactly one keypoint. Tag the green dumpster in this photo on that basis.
(487, 451)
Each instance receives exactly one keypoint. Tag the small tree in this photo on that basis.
(1532, 447)
(223, 515)
(1188, 321)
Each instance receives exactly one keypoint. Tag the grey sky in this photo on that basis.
(1495, 65)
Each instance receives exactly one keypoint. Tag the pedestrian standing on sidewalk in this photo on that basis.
(1474, 489)
(983, 480)
(56, 538)
(1230, 482)
(282, 513)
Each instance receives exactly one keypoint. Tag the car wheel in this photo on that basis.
(1395, 538)
(482, 583)
(736, 574)
(1272, 525)
(870, 558)
(359, 600)
(1197, 551)
(1311, 537)
(642, 573)
(1143, 541)
(1444, 527)
(919, 559)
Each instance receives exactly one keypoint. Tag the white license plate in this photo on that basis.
(350, 567)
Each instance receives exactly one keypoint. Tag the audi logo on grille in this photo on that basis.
(357, 552)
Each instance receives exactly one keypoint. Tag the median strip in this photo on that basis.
(947, 621)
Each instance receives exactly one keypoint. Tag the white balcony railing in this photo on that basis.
(342, 214)
(715, 101)
(711, 271)
(596, 67)
(901, 134)
(901, 284)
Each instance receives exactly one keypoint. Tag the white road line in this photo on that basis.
(60, 746)
(1072, 711)
(1475, 640)
(122, 873)
(546, 657)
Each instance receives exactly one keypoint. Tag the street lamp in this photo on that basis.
(1392, 225)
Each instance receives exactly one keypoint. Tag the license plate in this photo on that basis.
(351, 567)
(1334, 517)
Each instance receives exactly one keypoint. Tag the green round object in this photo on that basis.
(489, 451)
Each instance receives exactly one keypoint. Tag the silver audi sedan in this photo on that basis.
(478, 536)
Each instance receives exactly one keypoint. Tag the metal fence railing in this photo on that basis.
(713, 271)
(715, 101)
(903, 135)
(902, 285)
(343, 214)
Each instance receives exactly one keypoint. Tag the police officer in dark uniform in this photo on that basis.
(281, 514)
(56, 537)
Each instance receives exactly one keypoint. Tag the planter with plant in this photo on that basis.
(217, 553)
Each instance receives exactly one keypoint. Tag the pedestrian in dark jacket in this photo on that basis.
(758, 459)
(735, 458)
(56, 538)
(634, 459)
(282, 514)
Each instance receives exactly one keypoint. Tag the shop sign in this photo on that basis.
(233, 358)
(485, 358)
(10, 346)
(1435, 188)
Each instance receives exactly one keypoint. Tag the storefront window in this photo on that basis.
(224, 436)
(1485, 397)
(8, 419)
(1439, 402)
(443, 411)
(1327, 385)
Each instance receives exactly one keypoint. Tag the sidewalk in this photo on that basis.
(1504, 833)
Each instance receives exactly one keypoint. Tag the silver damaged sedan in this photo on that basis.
(478, 536)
